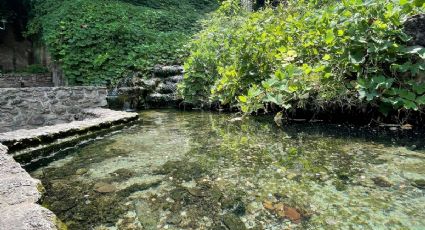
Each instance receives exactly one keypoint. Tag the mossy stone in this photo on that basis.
(233, 222)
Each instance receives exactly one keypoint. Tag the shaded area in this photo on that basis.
(17, 53)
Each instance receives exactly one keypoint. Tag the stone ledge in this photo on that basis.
(104, 118)
(19, 193)
(23, 143)
(44, 88)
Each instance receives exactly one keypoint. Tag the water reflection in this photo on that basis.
(194, 170)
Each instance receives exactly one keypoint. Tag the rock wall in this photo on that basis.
(415, 27)
(163, 87)
(158, 91)
(27, 108)
(15, 80)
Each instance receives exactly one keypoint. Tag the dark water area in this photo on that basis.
(200, 170)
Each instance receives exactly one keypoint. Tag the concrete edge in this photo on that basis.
(56, 87)
(104, 118)
(19, 194)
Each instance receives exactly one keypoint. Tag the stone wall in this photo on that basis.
(158, 91)
(15, 80)
(26, 108)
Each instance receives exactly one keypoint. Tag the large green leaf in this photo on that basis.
(356, 57)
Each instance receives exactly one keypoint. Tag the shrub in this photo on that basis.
(100, 40)
(305, 53)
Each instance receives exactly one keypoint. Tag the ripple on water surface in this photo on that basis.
(194, 170)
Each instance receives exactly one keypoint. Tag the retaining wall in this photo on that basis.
(27, 108)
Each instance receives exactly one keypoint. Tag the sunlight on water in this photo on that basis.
(193, 170)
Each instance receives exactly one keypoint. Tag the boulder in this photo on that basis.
(166, 71)
(415, 27)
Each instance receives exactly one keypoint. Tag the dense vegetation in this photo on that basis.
(100, 40)
(304, 54)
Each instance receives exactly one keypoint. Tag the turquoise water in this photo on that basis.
(195, 170)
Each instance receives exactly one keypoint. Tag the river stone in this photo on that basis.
(174, 219)
(292, 214)
(267, 204)
(81, 171)
(233, 222)
(382, 181)
(196, 192)
(103, 187)
(123, 173)
(419, 183)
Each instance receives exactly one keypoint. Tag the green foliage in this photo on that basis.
(301, 53)
(100, 40)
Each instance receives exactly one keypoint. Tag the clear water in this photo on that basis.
(194, 170)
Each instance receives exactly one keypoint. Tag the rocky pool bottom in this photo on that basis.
(194, 170)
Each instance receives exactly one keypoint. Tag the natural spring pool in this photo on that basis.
(198, 170)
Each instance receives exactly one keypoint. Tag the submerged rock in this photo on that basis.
(234, 204)
(123, 174)
(233, 222)
(292, 214)
(283, 211)
(174, 219)
(196, 192)
(382, 181)
(129, 223)
(340, 185)
(268, 205)
(81, 171)
(138, 187)
(145, 215)
(102, 187)
(183, 170)
(419, 183)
